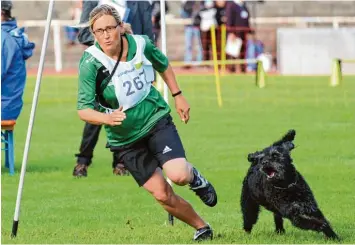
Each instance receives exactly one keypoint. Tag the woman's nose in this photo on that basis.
(106, 35)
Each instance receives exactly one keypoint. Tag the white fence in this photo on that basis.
(311, 51)
(56, 25)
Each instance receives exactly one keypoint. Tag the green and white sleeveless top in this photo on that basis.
(130, 87)
(132, 79)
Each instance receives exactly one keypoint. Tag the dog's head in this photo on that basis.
(275, 161)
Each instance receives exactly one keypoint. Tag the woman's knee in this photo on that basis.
(180, 178)
(179, 171)
(163, 195)
(159, 188)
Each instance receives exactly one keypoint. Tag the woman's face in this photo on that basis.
(107, 33)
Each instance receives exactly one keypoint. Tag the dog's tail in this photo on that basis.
(288, 137)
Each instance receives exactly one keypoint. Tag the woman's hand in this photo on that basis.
(116, 117)
(182, 108)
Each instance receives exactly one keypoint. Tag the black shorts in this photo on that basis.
(144, 156)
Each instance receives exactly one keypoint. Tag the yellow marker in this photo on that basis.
(215, 63)
(336, 76)
(260, 75)
(223, 48)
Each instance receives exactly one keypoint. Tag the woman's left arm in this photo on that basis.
(161, 64)
(181, 104)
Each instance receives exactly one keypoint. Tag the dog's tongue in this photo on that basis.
(272, 174)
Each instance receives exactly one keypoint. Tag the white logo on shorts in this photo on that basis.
(166, 149)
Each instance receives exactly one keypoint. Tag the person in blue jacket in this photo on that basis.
(15, 50)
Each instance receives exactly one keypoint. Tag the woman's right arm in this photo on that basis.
(93, 117)
(98, 118)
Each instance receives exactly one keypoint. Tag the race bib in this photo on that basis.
(131, 86)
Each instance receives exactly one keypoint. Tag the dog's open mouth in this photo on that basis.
(269, 171)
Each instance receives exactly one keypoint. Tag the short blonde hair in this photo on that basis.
(101, 10)
(106, 9)
(127, 28)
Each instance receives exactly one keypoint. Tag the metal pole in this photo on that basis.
(163, 41)
(165, 90)
(32, 117)
(57, 47)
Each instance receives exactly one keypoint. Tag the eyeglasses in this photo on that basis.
(108, 29)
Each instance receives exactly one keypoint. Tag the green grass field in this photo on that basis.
(57, 208)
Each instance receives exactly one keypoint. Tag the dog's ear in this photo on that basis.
(254, 157)
(251, 157)
(288, 137)
(288, 145)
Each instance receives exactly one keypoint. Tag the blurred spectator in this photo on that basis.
(214, 14)
(221, 20)
(254, 48)
(220, 6)
(237, 26)
(140, 17)
(208, 19)
(156, 19)
(16, 49)
(190, 10)
(85, 36)
(75, 13)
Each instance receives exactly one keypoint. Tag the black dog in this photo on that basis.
(273, 182)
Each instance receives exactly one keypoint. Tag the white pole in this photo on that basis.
(335, 24)
(165, 90)
(57, 46)
(32, 117)
(163, 42)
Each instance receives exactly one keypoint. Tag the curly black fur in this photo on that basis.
(273, 182)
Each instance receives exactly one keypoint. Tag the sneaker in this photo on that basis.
(80, 170)
(120, 170)
(205, 233)
(203, 189)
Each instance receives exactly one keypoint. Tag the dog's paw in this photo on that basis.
(120, 170)
(280, 231)
(334, 238)
(248, 231)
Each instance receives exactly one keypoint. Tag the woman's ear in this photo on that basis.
(121, 29)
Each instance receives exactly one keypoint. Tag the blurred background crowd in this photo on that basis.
(251, 26)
